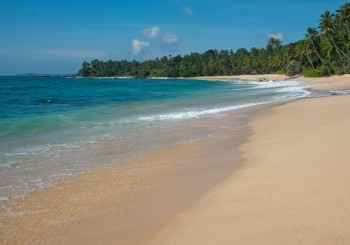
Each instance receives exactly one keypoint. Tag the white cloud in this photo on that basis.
(276, 36)
(138, 46)
(170, 38)
(187, 10)
(151, 32)
(72, 53)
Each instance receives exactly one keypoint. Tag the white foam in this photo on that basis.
(296, 90)
(276, 84)
(341, 92)
(159, 78)
(290, 90)
(194, 114)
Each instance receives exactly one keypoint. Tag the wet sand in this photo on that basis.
(127, 203)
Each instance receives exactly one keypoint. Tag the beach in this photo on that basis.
(270, 174)
(325, 83)
(293, 187)
(127, 203)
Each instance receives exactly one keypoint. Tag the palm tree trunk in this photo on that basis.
(338, 49)
(308, 56)
(313, 44)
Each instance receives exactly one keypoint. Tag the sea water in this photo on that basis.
(51, 128)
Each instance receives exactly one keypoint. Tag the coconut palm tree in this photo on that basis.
(327, 28)
(310, 36)
(303, 50)
(343, 17)
(327, 48)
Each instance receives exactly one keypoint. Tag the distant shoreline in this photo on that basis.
(326, 83)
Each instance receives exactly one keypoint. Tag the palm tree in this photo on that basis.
(286, 56)
(327, 48)
(310, 36)
(343, 17)
(327, 28)
(346, 45)
(303, 50)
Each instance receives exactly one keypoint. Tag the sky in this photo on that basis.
(56, 36)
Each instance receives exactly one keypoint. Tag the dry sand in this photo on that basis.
(294, 187)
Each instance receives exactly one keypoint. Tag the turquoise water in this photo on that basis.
(55, 127)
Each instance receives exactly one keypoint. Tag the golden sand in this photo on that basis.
(294, 187)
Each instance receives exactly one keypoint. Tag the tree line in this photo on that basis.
(324, 51)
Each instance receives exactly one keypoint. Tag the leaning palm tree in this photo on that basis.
(310, 36)
(327, 28)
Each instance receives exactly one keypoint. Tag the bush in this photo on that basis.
(312, 73)
(280, 72)
(340, 70)
(347, 68)
(326, 68)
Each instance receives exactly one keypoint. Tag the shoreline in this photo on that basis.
(325, 83)
(126, 203)
(92, 213)
(293, 187)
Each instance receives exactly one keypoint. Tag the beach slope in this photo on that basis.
(293, 189)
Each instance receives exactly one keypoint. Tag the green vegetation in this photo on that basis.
(324, 51)
(312, 73)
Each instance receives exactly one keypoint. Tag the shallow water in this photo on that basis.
(55, 127)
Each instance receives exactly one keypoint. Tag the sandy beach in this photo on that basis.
(281, 179)
(326, 83)
(293, 187)
(247, 78)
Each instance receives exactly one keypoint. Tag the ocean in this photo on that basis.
(51, 128)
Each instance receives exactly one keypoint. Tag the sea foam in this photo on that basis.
(104, 121)
(194, 114)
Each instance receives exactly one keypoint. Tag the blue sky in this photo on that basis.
(56, 36)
